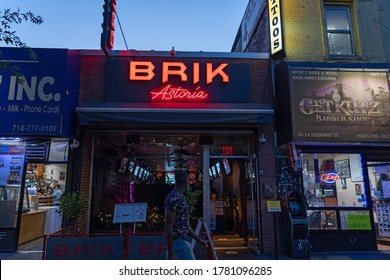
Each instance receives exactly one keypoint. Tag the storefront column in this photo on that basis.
(206, 184)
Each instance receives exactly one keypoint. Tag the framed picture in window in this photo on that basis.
(342, 168)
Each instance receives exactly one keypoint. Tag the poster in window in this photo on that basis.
(356, 168)
(62, 176)
(342, 168)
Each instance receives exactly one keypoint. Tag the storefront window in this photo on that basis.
(41, 180)
(59, 151)
(333, 180)
(11, 166)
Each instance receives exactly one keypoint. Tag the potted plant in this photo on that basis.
(192, 197)
(72, 207)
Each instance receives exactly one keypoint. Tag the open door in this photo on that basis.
(253, 211)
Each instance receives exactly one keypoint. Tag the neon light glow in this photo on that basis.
(171, 93)
(144, 71)
(227, 150)
(330, 178)
(174, 69)
(141, 71)
(131, 191)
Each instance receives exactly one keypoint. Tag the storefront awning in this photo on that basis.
(106, 112)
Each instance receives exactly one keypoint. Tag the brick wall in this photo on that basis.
(267, 170)
(302, 29)
(371, 40)
(92, 88)
(85, 177)
(93, 75)
(92, 78)
(304, 34)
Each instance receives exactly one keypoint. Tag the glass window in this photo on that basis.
(322, 219)
(333, 180)
(59, 151)
(339, 31)
(11, 168)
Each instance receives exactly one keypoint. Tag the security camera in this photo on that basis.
(262, 139)
(75, 144)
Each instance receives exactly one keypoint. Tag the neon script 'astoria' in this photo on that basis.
(144, 71)
(178, 93)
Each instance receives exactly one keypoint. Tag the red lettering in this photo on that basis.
(61, 250)
(170, 93)
(106, 249)
(80, 249)
(218, 71)
(161, 248)
(145, 248)
(144, 71)
(179, 70)
(141, 71)
(196, 73)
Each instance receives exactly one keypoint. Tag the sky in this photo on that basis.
(186, 25)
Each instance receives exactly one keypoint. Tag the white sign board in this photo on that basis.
(130, 213)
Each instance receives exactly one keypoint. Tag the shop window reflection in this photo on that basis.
(333, 180)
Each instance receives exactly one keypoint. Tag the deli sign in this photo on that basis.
(177, 80)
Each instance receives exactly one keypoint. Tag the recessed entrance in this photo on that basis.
(139, 167)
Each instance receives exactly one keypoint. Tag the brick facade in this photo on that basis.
(93, 89)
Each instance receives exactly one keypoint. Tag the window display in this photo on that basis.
(333, 180)
(42, 178)
(11, 166)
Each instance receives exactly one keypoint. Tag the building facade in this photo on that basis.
(135, 119)
(331, 86)
(38, 104)
(155, 112)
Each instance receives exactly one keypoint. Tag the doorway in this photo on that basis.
(140, 168)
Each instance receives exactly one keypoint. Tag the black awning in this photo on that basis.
(106, 112)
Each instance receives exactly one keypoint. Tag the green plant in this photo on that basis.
(104, 220)
(72, 207)
(154, 220)
(192, 197)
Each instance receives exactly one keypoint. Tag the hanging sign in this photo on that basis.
(275, 23)
(44, 102)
